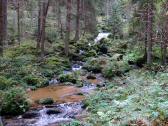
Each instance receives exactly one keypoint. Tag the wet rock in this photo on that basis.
(90, 76)
(68, 83)
(104, 49)
(53, 82)
(81, 52)
(72, 115)
(30, 115)
(50, 106)
(101, 85)
(53, 111)
(76, 57)
(117, 57)
(85, 105)
(80, 94)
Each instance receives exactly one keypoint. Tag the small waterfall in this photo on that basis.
(68, 113)
(101, 36)
(76, 67)
(87, 88)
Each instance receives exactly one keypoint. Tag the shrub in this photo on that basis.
(115, 68)
(93, 65)
(82, 44)
(67, 78)
(56, 63)
(52, 35)
(5, 83)
(96, 64)
(134, 55)
(14, 102)
(91, 53)
(34, 80)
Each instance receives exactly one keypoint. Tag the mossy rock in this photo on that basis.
(92, 65)
(95, 64)
(67, 78)
(91, 53)
(117, 57)
(115, 68)
(46, 101)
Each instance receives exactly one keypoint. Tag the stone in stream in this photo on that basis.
(100, 85)
(104, 49)
(81, 52)
(90, 76)
(30, 115)
(53, 111)
(53, 82)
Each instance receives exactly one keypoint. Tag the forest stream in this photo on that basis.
(67, 105)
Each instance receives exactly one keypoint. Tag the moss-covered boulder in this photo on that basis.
(67, 78)
(115, 68)
(46, 101)
(95, 64)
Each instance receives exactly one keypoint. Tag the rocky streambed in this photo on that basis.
(68, 105)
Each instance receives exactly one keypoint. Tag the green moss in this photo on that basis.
(35, 80)
(115, 68)
(6, 83)
(27, 47)
(67, 78)
(46, 101)
(91, 53)
(93, 65)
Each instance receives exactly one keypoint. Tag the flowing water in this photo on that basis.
(67, 107)
(68, 113)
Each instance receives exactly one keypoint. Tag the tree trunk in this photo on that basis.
(18, 20)
(78, 20)
(164, 37)
(3, 24)
(43, 10)
(39, 24)
(90, 17)
(146, 40)
(68, 27)
(150, 32)
(45, 7)
(60, 26)
(164, 52)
